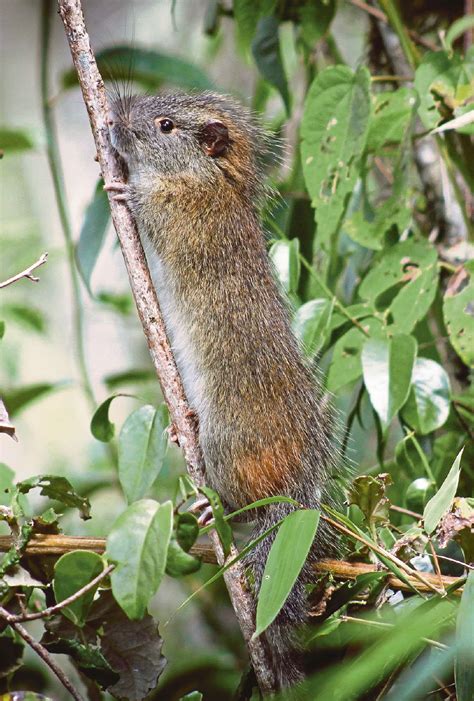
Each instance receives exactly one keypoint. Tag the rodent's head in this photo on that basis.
(204, 135)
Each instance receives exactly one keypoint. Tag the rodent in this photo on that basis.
(195, 187)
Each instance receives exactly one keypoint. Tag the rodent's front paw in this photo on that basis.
(122, 190)
(202, 507)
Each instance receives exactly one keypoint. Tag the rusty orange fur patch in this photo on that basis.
(268, 472)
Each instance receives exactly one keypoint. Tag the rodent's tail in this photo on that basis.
(286, 652)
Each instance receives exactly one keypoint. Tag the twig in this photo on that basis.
(41, 651)
(26, 273)
(93, 92)
(46, 613)
(57, 176)
(407, 512)
(41, 545)
(378, 14)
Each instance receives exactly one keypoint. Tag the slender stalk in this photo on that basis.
(393, 15)
(54, 161)
(28, 273)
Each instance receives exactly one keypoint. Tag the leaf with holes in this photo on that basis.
(392, 113)
(56, 488)
(458, 311)
(387, 367)
(334, 132)
(428, 404)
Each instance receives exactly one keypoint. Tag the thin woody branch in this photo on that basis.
(40, 651)
(93, 92)
(46, 613)
(27, 273)
(42, 545)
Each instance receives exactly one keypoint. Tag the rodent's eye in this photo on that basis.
(166, 125)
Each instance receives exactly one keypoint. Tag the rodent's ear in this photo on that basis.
(214, 137)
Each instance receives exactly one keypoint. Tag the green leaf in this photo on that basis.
(458, 311)
(387, 367)
(28, 316)
(310, 324)
(192, 696)
(13, 140)
(285, 257)
(93, 232)
(441, 502)
(72, 572)
(443, 80)
(141, 450)
(149, 68)
(220, 524)
(101, 426)
(418, 493)
(246, 15)
(179, 563)
(56, 488)
(392, 113)
(412, 267)
(120, 303)
(2, 329)
(464, 662)
(129, 377)
(427, 406)
(16, 399)
(334, 132)
(315, 17)
(267, 55)
(187, 530)
(346, 364)
(457, 29)
(138, 545)
(284, 563)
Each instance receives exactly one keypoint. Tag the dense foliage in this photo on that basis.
(369, 233)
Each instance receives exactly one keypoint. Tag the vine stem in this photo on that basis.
(54, 161)
(40, 651)
(93, 92)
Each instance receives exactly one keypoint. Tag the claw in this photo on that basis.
(115, 187)
(172, 434)
(122, 197)
(206, 518)
(203, 506)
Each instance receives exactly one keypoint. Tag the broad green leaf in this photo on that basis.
(464, 662)
(6, 483)
(92, 234)
(220, 524)
(441, 78)
(72, 572)
(187, 530)
(284, 563)
(411, 265)
(285, 258)
(315, 17)
(370, 233)
(141, 450)
(346, 364)
(418, 493)
(101, 426)
(192, 696)
(2, 329)
(387, 367)
(138, 546)
(458, 311)
(56, 488)
(427, 406)
(16, 399)
(310, 324)
(121, 303)
(267, 55)
(30, 317)
(441, 502)
(13, 140)
(392, 113)
(149, 68)
(334, 132)
(179, 563)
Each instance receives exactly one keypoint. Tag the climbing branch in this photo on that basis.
(93, 92)
(41, 651)
(28, 273)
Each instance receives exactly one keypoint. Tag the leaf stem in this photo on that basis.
(54, 162)
(393, 15)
